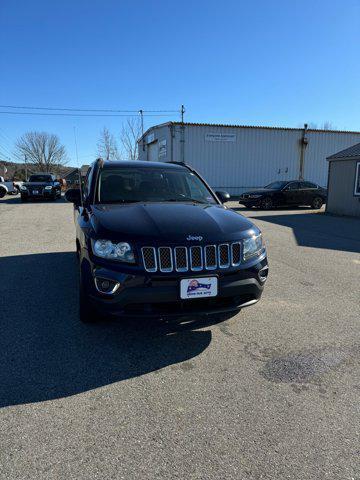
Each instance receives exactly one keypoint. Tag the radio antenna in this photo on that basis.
(80, 187)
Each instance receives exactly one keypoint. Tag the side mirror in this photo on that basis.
(223, 196)
(73, 195)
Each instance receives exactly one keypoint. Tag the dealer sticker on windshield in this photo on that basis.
(198, 287)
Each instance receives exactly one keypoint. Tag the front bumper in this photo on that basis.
(250, 202)
(159, 295)
(43, 194)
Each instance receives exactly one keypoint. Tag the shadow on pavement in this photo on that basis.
(13, 199)
(10, 199)
(318, 230)
(46, 353)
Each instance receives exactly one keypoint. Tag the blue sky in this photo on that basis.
(279, 63)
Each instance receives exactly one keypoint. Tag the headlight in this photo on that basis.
(48, 187)
(22, 187)
(253, 247)
(115, 251)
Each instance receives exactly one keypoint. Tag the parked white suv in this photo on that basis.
(7, 188)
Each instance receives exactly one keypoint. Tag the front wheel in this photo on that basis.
(266, 203)
(88, 313)
(2, 192)
(317, 203)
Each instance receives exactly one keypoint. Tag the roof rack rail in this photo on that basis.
(183, 164)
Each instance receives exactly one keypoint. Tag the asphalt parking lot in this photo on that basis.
(272, 393)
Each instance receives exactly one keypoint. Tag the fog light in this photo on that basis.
(263, 273)
(105, 285)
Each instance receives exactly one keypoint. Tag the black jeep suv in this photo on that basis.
(153, 239)
(40, 186)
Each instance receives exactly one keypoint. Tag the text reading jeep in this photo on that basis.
(153, 239)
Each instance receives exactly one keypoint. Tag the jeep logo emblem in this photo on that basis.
(194, 238)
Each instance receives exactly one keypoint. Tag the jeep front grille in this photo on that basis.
(195, 258)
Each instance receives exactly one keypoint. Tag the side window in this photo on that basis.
(87, 183)
(357, 180)
(293, 186)
(193, 188)
(307, 185)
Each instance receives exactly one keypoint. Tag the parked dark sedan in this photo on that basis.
(282, 193)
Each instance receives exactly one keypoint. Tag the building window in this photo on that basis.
(357, 180)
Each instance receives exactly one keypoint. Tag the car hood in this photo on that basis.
(168, 223)
(37, 184)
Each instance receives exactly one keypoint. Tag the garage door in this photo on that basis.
(152, 152)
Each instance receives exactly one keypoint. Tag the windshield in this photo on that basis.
(276, 185)
(40, 178)
(128, 185)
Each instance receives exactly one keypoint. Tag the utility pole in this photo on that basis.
(142, 129)
(303, 144)
(76, 149)
(26, 172)
(182, 136)
(182, 113)
(142, 121)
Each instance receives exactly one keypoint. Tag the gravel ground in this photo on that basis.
(272, 393)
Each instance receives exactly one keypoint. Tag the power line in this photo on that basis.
(72, 109)
(4, 146)
(5, 136)
(82, 114)
(5, 139)
(5, 149)
(4, 157)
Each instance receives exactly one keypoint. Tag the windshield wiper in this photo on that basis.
(122, 201)
(186, 199)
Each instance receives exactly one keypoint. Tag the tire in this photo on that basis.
(77, 253)
(23, 199)
(317, 203)
(2, 192)
(87, 313)
(266, 203)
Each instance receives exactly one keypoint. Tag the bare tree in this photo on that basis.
(130, 134)
(327, 125)
(41, 149)
(107, 146)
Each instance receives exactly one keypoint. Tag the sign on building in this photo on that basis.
(162, 148)
(150, 138)
(220, 137)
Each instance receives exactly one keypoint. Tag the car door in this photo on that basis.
(308, 192)
(291, 193)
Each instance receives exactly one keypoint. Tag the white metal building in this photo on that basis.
(236, 158)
